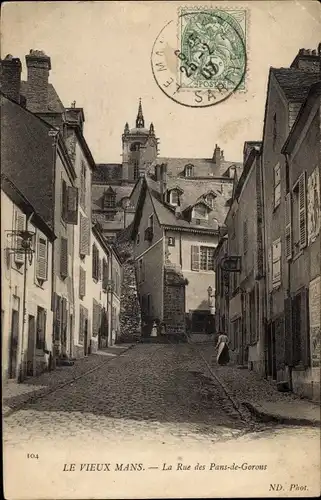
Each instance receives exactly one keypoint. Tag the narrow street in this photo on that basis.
(153, 405)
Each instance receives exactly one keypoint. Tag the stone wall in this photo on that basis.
(174, 302)
(130, 312)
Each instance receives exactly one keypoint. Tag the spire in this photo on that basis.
(151, 129)
(126, 129)
(140, 123)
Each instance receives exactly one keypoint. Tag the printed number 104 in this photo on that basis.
(32, 455)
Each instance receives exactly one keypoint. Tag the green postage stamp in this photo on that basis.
(200, 58)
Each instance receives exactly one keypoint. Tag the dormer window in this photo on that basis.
(109, 200)
(209, 198)
(174, 197)
(200, 211)
(188, 172)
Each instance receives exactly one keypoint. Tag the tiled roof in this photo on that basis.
(97, 192)
(203, 167)
(54, 103)
(295, 83)
(193, 190)
(107, 172)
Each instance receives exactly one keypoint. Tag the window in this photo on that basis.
(288, 227)
(188, 171)
(276, 262)
(202, 258)
(199, 322)
(41, 328)
(20, 223)
(174, 197)
(300, 213)
(136, 169)
(109, 199)
(84, 236)
(209, 198)
(207, 258)
(95, 262)
(42, 258)
(82, 282)
(97, 311)
(200, 211)
(105, 274)
(83, 185)
(277, 185)
(171, 241)
(69, 209)
(64, 257)
(245, 236)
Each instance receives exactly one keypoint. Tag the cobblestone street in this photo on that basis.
(150, 406)
(152, 389)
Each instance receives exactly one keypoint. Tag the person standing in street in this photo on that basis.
(223, 356)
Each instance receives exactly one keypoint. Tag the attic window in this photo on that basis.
(209, 198)
(200, 212)
(174, 197)
(188, 170)
(109, 200)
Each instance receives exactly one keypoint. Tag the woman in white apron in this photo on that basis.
(223, 356)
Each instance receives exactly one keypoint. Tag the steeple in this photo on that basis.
(140, 123)
(126, 129)
(151, 129)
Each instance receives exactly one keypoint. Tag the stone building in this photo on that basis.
(287, 90)
(26, 315)
(241, 294)
(180, 205)
(112, 184)
(301, 250)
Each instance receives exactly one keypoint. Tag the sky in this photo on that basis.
(100, 57)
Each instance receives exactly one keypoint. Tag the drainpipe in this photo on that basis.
(24, 310)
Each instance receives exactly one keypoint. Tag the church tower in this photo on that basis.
(139, 148)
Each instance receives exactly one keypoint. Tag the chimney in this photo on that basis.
(75, 116)
(163, 180)
(217, 155)
(307, 60)
(38, 66)
(11, 77)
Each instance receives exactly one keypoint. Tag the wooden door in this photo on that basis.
(13, 349)
(31, 346)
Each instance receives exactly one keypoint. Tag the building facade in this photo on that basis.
(26, 315)
(180, 205)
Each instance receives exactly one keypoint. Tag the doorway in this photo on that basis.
(13, 348)
(86, 337)
(31, 346)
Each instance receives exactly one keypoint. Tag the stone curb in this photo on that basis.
(33, 397)
(274, 417)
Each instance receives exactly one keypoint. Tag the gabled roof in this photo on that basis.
(203, 167)
(107, 172)
(191, 196)
(98, 191)
(295, 83)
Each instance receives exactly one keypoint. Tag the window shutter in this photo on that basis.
(288, 227)
(302, 210)
(64, 257)
(42, 258)
(57, 317)
(72, 205)
(98, 267)
(105, 274)
(305, 333)
(84, 236)
(64, 196)
(82, 282)
(195, 258)
(20, 223)
(288, 331)
(64, 319)
(81, 324)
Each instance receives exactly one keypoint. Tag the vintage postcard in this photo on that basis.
(160, 249)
